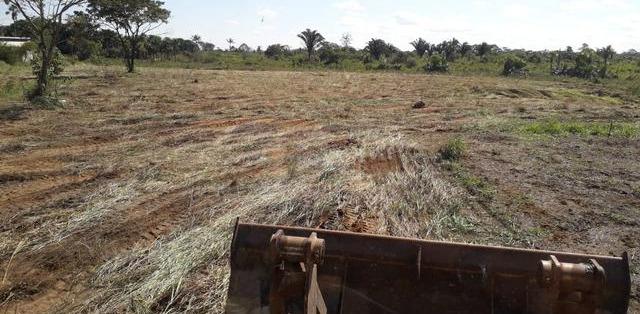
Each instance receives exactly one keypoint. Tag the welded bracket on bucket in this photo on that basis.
(572, 288)
(295, 270)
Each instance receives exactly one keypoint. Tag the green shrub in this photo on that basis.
(11, 55)
(411, 63)
(329, 54)
(563, 128)
(437, 63)
(453, 150)
(513, 65)
(586, 66)
(276, 51)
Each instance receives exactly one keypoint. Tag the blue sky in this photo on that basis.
(541, 24)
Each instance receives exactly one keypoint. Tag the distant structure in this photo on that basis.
(17, 42)
(14, 41)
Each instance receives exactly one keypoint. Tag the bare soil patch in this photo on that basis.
(122, 200)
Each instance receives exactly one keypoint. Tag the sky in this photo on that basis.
(536, 25)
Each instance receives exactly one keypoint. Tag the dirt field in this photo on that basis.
(123, 199)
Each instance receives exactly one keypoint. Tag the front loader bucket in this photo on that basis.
(295, 270)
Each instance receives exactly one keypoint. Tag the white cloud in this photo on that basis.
(406, 18)
(267, 13)
(350, 5)
(232, 22)
(516, 11)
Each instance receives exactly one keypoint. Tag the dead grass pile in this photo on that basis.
(408, 200)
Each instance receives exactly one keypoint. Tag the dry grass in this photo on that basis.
(124, 199)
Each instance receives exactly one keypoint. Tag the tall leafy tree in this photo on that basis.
(81, 33)
(606, 54)
(312, 40)
(131, 20)
(44, 19)
(346, 40)
(421, 46)
(230, 41)
(483, 49)
(465, 49)
(377, 48)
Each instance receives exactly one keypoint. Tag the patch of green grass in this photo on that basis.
(475, 185)
(14, 90)
(564, 128)
(454, 149)
(574, 94)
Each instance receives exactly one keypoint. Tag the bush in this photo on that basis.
(453, 150)
(585, 65)
(411, 63)
(329, 54)
(11, 55)
(399, 58)
(437, 63)
(513, 65)
(276, 51)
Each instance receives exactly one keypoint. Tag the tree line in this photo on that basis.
(122, 29)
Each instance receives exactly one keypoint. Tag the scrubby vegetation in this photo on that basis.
(122, 199)
(563, 128)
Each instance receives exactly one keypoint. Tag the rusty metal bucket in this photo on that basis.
(278, 269)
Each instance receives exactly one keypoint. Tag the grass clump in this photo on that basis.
(564, 128)
(453, 150)
(12, 112)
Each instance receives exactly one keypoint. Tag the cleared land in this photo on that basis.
(124, 198)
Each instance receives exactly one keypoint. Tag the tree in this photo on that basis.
(450, 49)
(19, 28)
(437, 63)
(312, 40)
(513, 65)
(79, 36)
(131, 20)
(465, 49)
(606, 54)
(421, 46)
(346, 40)
(45, 24)
(244, 48)
(230, 41)
(276, 51)
(197, 39)
(483, 49)
(377, 48)
(329, 53)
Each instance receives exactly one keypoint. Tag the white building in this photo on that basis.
(14, 41)
(17, 42)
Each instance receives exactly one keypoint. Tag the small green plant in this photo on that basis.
(437, 63)
(453, 150)
(54, 68)
(564, 128)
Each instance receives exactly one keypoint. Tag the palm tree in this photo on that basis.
(607, 54)
(377, 48)
(231, 42)
(312, 40)
(421, 46)
(465, 49)
(483, 49)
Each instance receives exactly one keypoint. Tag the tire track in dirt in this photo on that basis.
(53, 269)
(35, 193)
(56, 265)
